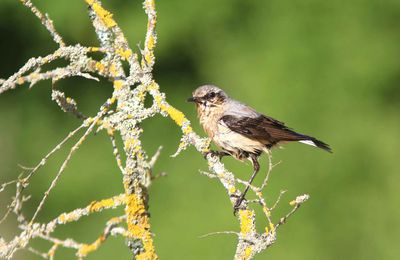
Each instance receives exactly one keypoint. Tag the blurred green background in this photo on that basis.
(330, 69)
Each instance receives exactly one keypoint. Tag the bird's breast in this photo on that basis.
(209, 120)
(209, 125)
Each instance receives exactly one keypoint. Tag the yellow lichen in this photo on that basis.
(158, 99)
(34, 76)
(247, 253)
(115, 220)
(110, 131)
(141, 95)
(85, 249)
(104, 15)
(113, 69)
(65, 218)
(149, 57)
(267, 212)
(89, 120)
(150, 4)
(139, 155)
(139, 226)
(153, 86)
(150, 42)
(97, 206)
(94, 49)
(111, 101)
(61, 218)
(106, 125)
(272, 227)
(206, 147)
(182, 145)
(246, 221)
(187, 130)
(135, 208)
(125, 53)
(178, 117)
(99, 67)
(118, 84)
(131, 144)
(94, 206)
(20, 81)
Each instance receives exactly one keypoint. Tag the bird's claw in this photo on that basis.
(237, 205)
(235, 210)
(213, 153)
(206, 154)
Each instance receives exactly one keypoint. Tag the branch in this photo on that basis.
(121, 116)
(46, 21)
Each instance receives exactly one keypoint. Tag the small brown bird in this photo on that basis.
(240, 131)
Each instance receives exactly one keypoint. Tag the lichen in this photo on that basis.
(125, 120)
(247, 253)
(139, 226)
(246, 221)
(118, 84)
(104, 15)
(85, 249)
(125, 53)
(100, 67)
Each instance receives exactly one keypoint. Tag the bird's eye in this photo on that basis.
(211, 95)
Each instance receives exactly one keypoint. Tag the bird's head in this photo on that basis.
(208, 96)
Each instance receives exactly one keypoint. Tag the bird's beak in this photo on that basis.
(192, 99)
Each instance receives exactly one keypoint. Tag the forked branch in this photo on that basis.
(123, 121)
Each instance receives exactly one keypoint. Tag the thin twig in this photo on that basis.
(278, 199)
(25, 181)
(297, 203)
(116, 151)
(46, 21)
(270, 167)
(4, 185)
(63, 166)
(67, 104)
(219, 233)
(52, 251)
(129, 95)
(209, 175)
(56, 148)
(37, 252)
(154, 158)
(67, 243)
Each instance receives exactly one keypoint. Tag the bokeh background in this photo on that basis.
(327, 68)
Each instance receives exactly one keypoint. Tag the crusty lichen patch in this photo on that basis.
(139, 226)
(103, 14)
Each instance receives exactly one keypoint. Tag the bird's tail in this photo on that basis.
(315, 142)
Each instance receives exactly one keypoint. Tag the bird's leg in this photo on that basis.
(220, 154)
(256, 168)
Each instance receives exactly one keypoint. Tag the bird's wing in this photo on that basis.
(261, 128)
(238, 109)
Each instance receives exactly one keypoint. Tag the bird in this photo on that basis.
(240, 131)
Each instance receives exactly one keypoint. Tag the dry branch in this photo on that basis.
(128, 95)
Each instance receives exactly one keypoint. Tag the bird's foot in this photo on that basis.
(237, 205)
(219, 154)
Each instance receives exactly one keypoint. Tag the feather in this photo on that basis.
(268, 131)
